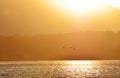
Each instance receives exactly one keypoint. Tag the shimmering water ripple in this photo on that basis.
(61, 69)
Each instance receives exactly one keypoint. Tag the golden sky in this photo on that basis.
(44, 17)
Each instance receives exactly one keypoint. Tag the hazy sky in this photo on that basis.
(37, 17)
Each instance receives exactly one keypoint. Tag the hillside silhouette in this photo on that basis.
(69, 46)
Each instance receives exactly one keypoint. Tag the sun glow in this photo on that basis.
(83, 7)
(78, 7)
(114, 3)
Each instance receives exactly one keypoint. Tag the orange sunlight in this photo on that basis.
(78, 8)
(83, 8)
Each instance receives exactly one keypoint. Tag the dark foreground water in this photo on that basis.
(61, 69)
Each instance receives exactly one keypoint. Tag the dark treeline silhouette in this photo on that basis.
(69, 46)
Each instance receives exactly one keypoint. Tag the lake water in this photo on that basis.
(61, 69)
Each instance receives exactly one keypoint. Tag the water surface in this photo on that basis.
(60, 69)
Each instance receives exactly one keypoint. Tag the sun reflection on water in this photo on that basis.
(82, 68)
(81, 62)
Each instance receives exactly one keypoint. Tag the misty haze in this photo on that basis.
(42, 30)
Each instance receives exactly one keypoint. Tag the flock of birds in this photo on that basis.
(69, 48)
